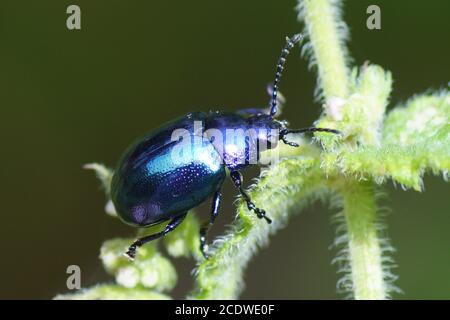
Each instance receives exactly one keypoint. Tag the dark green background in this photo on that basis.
(73, 97)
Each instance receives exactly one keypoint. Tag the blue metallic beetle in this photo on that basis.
(160, 177)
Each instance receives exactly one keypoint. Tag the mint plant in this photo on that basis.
(347, 171)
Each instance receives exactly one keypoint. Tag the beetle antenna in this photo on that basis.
(311, 129)
(290, 42)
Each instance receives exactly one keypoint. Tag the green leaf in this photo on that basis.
(416, 139)
(418, 136)
(419, 120)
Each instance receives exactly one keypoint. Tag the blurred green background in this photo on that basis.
(73, 97)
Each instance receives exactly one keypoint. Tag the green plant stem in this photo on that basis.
(363, 245)
(326, 35)
(113, 292)
(278, 192)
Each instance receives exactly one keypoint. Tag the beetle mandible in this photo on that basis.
(150, 185)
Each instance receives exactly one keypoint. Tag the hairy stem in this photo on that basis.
(113, 292)
(326, 49)
(364, 252)
(279, 191)
(327, 33)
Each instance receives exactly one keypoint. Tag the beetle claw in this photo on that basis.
(203, 248)
(290, 143)
(269, 221)
(131, 253)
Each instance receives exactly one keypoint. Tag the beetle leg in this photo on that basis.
(236, 176)
(207, 224)
(175, 222)
(285, 132)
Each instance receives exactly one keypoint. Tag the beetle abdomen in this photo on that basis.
(166, 182)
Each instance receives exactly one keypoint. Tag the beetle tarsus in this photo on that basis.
(289, 143)
(203, 248)
(260, 213)
(203, 245)
(284, 132)
(131, 253)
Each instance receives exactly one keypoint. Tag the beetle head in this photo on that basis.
(268, 129)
